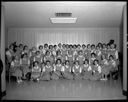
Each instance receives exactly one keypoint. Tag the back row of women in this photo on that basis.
(53, 62)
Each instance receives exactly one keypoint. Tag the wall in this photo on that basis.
(125, 48)
(2, 48)
(37, 36)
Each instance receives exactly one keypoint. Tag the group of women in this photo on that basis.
(62, 61)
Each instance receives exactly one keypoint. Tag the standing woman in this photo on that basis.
(25, 65)
(76, 69)
(9, 55)
(75, 53)
(32, 54)
(98, 53)
(1, 70)
(104, 67)
(88, 51)
(16, 69)
(104, 50)
(67, 70)
(70, 57)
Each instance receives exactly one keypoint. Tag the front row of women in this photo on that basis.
(47, 71)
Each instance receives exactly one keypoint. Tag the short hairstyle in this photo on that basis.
(102, 56)
(86, 60)
(92, 45)
(40, 46)
(35, 62)
(37, 52)
(111, 56)
(76, 61)
(95, 61)
(67, 61)
(48, 61)
(93, 54)
(58, 60)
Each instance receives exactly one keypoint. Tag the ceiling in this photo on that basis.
(37, 14)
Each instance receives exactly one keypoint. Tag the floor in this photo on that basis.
(65, 90)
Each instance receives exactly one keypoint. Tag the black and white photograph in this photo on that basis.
(63, 50)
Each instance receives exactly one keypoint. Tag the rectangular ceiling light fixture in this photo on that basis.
(63, 20)
(63, 14)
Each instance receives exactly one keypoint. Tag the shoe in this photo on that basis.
(21, 81)
(18, 81)
(101, 79)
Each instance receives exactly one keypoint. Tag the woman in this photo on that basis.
(67, 70)
(77, 70)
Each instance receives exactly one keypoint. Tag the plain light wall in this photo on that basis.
(2, 48)
(125, 43)
(37, 36)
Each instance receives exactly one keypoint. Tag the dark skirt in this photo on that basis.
(112, 69)
(54, 76)
(67, 75)
(35, 74)
(96, 76)
(46, 76)
(17, 72)
(77, 76)
(25, 69)
(86, 74)
(105, 70)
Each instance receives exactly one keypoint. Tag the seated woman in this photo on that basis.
(25, 65)
(92, 58)
(80, 57)
(104, 67)
(112, 66)
(16, 69)
(49, 57)
(46, 72)
(57, 73)
(36, 71)
(67, 70)
(76, 69)
(86, 70)
(59, 56)
(96, 75)
(38, 57)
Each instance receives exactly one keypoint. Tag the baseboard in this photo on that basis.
(124, 92)
(3, 93)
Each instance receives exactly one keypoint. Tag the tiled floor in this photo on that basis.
(65, 90)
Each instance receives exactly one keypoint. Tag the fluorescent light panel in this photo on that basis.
(63, 20)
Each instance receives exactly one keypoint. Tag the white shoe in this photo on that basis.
(101, 79)
(18, 81)
(38, 79)
(21, 81)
